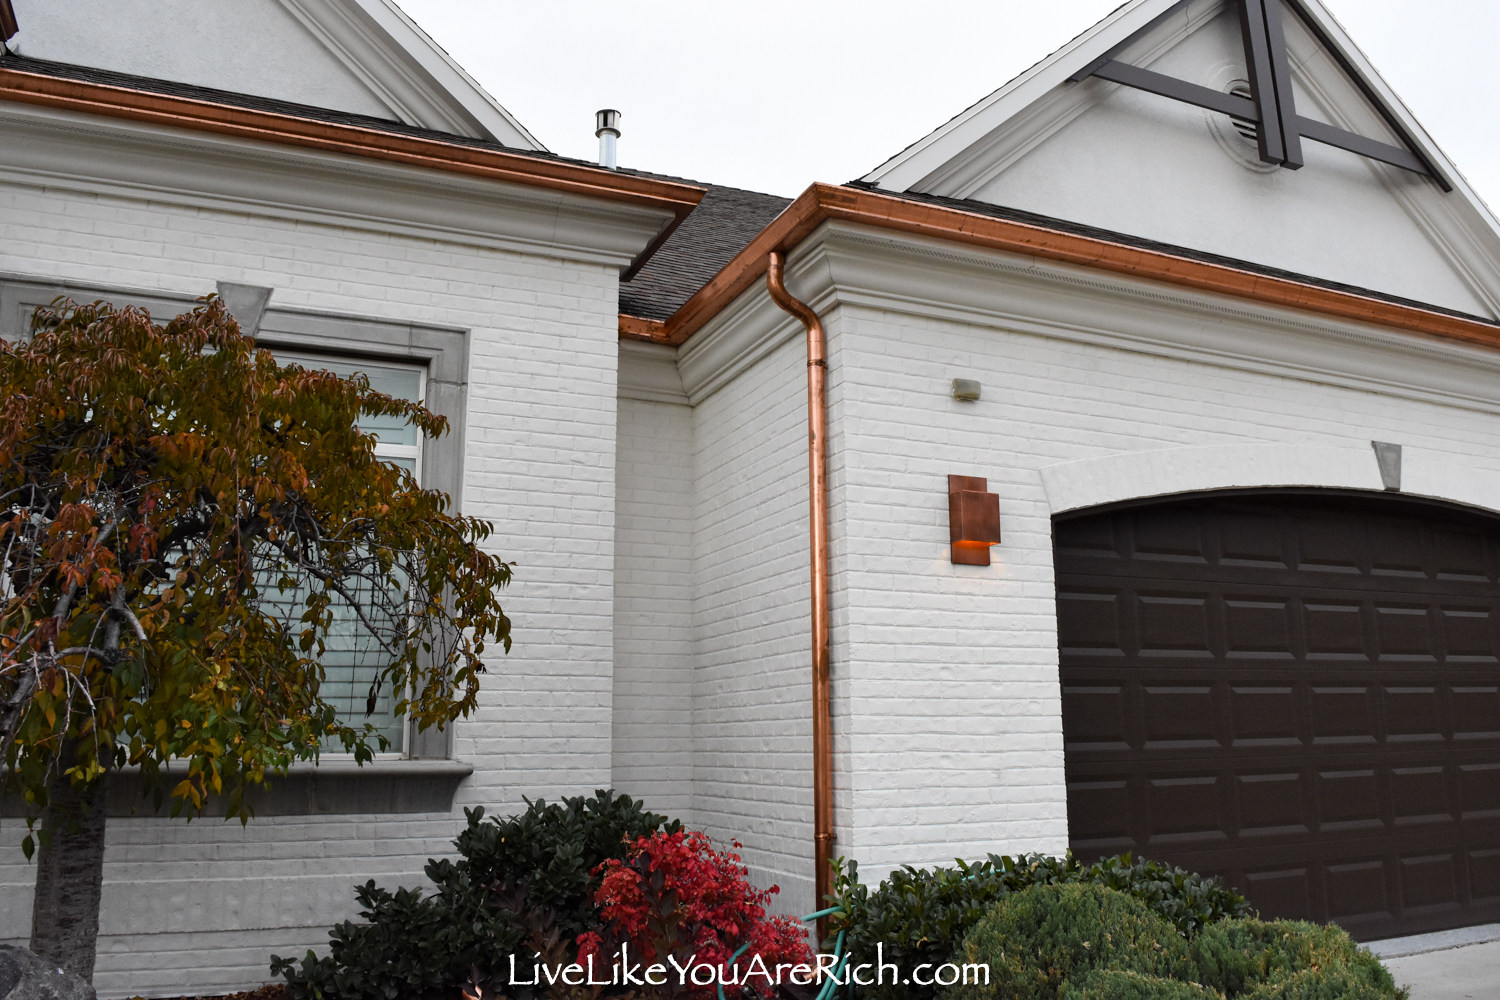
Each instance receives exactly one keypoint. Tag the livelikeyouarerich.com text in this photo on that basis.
(623, 971)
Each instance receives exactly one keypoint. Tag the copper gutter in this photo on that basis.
(823, 202)
(817, 499)
(355, 140)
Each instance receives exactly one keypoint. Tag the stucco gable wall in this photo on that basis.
(252, 46)
(1142, 164)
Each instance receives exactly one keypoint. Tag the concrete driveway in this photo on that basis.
(1450, 965)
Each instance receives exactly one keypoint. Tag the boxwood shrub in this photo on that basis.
(1044, 937)
(1087, 942)
(921, 914)
(1288, 960)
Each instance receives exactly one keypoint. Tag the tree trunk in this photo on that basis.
(69, 873)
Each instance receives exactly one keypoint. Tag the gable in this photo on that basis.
(358, 56)
(1102, 154)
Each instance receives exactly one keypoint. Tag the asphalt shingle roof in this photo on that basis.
(721, 226)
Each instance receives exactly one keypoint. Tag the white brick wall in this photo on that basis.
(199, 907)
(953, 712)
(947, 724)
(653, 681)
(752, 774)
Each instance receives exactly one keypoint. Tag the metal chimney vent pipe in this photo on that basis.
(608, 130)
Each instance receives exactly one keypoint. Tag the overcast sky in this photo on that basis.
(776, 94)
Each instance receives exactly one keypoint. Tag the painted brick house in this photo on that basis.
(1235, 324)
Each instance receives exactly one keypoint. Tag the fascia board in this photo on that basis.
(907, 168)
(821, 202)
(844, 266)
(70, 151)
(112, 103)
(447, 74)
(900, 274)
(749, 330)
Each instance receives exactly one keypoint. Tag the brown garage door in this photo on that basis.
(1299, 692)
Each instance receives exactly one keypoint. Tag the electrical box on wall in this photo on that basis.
(973, 520)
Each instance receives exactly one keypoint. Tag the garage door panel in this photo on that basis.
(1422, 796)
(1094, 716)
(1429, 880)
(1172, 624)
(1479, 791)
(1342, 713)
(1300, 692)
(1476, 711)
(1484, 874)
(1185, 810)
(1357, 888)
(1330, 544)
(1399, 548)
(1099, 813)
(1257, 627)
(1253, 541)
(1179, 716)
(1272, 804)
(1463, 555)
(1284, 891)
(1349, 801)
(1404, 633)
(1264, 715)
(1162, 536)
(1091, 621)
(1091, 538)
(1335, 630)
(1468, 634)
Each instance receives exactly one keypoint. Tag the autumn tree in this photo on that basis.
(185, 525)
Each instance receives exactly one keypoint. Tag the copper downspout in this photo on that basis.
(817, 476)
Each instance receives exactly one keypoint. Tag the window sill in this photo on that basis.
(329, 788)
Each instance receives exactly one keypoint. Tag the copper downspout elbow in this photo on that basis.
(817, 475)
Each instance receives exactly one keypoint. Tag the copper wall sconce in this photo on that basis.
(973, 520)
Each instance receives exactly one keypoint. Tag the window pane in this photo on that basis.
(403, 383)
(353, 658)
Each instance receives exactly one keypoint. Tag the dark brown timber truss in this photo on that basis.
(1279, 128)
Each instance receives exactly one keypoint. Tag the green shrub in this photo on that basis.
(525, 880)
(1288, 960)
(921, 915)
(1037, 940)
(1116, 984)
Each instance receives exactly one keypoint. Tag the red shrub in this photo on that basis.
(675, 895)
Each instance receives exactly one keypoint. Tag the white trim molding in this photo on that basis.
(1093, 482)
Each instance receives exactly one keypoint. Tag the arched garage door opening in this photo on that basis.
(1299, 691)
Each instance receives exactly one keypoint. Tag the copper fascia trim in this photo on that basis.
(652, 331)
(822, 202)
(354, 140)
(817, 499)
